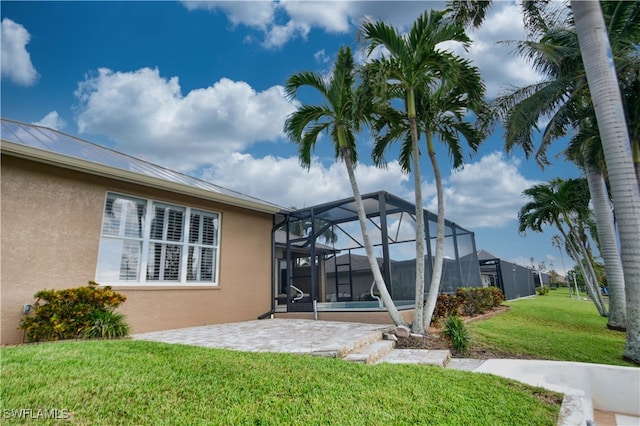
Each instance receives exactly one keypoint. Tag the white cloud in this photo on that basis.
(16, 61)
(288, 19)
(147, 116)
(52, 120)
(334, 17)
(283, 181)
(500, 68)
(278, 35)
(487, 193)
(256, 14)
(321, 56)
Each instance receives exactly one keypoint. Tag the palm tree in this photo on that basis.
(441, 111)
(556, 241)
(565, 98)
(469, 12)
(563, 204)
(585, 150)
(603, 84)
(342, 113)
(423, 77)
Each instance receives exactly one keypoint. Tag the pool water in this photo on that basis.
(367, 305)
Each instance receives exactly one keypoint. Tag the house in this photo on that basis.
(184, 252)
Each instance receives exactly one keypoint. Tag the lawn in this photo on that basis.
(553, 327)
(136, 382)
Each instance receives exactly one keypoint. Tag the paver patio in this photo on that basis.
(330, 338)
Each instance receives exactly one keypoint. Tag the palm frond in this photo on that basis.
(308, 141)
(297, 122)
(468, 12)
(301, 79)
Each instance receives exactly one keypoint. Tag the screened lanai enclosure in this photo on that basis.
(513, 280)
(322, 263)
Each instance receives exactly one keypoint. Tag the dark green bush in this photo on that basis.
(541, 291)
(446, 305)
(478, 300)
(456, 330)
(70, 313)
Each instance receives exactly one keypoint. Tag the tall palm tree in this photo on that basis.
(603, 84)
(343, 111)
(441, 111)
(585, 150)
(563, 204)
(564, 98)
(409, 70)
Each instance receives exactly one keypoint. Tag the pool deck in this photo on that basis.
(331, 338)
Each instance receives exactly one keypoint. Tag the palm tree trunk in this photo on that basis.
(373, 262)
(608, 247)
(607, 102)
(418, 319)
(588, 281)
(436, 275)
(573, 252)
(593, 277)
(635, 146)
(592, 282)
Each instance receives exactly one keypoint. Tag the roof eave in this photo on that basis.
(59, 160)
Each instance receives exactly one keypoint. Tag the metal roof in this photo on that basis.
(54, 147)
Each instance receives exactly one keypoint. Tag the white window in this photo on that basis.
(171, 244)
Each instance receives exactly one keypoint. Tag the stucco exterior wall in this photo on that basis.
(50, 234)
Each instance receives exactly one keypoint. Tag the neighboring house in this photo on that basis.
(514, 280)
(183, 251)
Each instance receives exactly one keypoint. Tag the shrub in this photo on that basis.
(478, 300)
(68, 313)
(446, 305)
(456, 330)
(541, 291)
(497, 295)
(106, 325)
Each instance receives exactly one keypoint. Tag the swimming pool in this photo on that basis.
(361, 305)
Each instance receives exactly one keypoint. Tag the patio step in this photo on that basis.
(371, 353)
(418, 356)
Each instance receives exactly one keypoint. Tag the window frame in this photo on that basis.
(185, 244)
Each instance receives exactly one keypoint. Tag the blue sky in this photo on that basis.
(197, 87)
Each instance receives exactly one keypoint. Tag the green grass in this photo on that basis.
(553, 327)
(136, 382)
